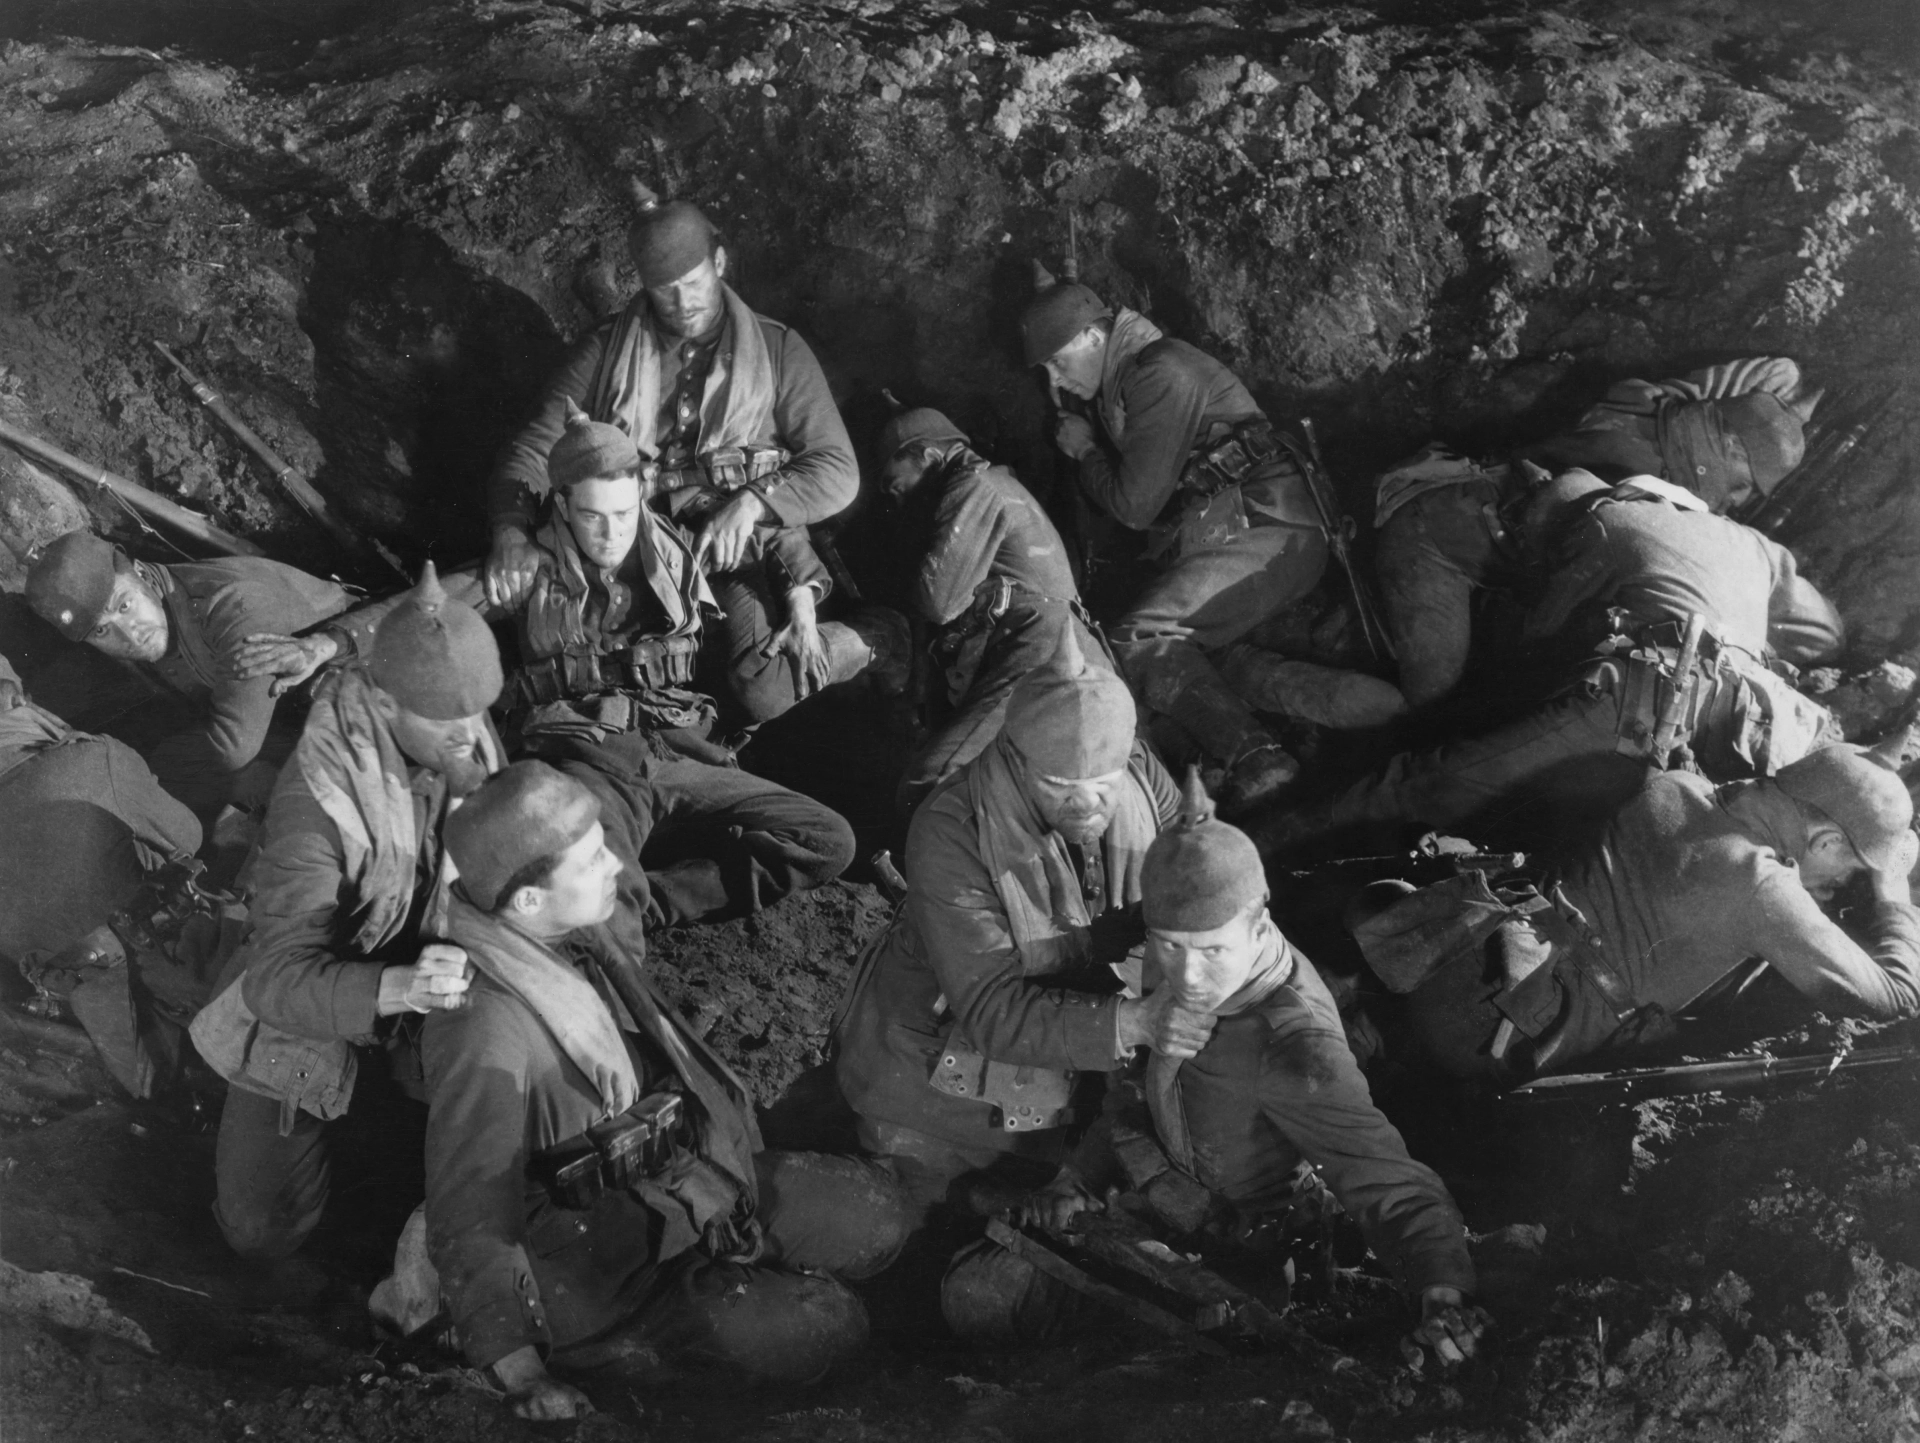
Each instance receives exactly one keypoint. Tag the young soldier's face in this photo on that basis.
(604, 516)
(1079, 809)
(133, 626)
(905, 471)
(581, 891)
(1206, 968)
(1075, 368)
(692, 305)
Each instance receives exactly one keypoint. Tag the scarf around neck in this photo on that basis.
(736, 407)
(556, 610)
(566, 1003)
(1032, 869)
(358, 775)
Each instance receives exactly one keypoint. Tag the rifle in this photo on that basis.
(1795, 494)
(1340, 530)
(296, 485)
(1727, 1074)
(135, 497)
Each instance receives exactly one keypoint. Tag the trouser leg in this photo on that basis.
(932, 1171)
(270, 1189)
(726, 843)
(848, 1216)
(1564, 755)
(761, 687)
(767, 1322)
(1205, 600)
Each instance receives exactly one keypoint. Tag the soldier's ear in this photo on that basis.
(720, 261)
(525, 901)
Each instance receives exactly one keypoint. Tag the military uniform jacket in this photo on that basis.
(1277, 1084)
(213, 606)
(1690, 880)
(988, 527)
(953, 945)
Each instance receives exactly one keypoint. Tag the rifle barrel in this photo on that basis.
(189, 523)
(1728, 1074)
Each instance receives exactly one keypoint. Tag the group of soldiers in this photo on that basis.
(461, 854)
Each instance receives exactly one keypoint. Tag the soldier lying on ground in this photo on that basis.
(995, 579)
(1603, 945)
(182, 625)
(1629, 566)
(595, 1177)
(86, 825)
(1178, 449)
(968, 1020)
(741, 445)
(1251, 1086)
(608, 635)
(348, 894)
(1447, 523)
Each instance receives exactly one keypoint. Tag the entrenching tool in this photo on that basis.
(1686, 681)
(295, 485)
(137, 499)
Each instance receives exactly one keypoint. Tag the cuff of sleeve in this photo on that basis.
(1093, 1034)
(1443, 1271)
(496, 1329)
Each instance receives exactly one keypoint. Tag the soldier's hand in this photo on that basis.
(1073, 434)
(534, 1393)
(1055, 1206)
(723, 541)
(799, 640)
(289, 660)
(1183, 1032)
(437, 981)
(1449, 1325)
(512, 566)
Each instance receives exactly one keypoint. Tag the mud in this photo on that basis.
(374, 229)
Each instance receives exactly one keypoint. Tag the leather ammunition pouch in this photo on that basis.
(614, 1155)
(1019, 1099)
(1231, 459)
(693, 490)
(650, 664)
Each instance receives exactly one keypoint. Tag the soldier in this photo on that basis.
(595, 1176)
(967, 1023)
(1728, 433)
(608, 636)
(1259, 1080)
(742, 446)
(1601, 947)
(348, 893)
(183, 625)
(995, 580)
(1178, 449)
(1629, 566)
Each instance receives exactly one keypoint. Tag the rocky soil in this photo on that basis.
(374, 228)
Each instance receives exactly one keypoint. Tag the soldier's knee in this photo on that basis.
(783, 1327)
(262, 1232)
(830, 838)
(763, 686)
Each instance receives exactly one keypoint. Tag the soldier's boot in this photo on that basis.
(1174, 678)
(875, 642)
(1324, 695)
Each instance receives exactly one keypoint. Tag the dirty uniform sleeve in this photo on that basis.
(1165, 403)
(476, 1078)
(240, 712)
(1311, 1090)
(792, 562)
(1160, 786)
(354, 629)
(1585, 573)
(295, 980)
(519, 479)
(1786, 926)
(158, 820)
(963, 927)
(1802, 625)
(968, 526)
(821, 478)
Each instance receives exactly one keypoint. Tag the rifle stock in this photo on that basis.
(1727, 1074)
(1339, 527)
